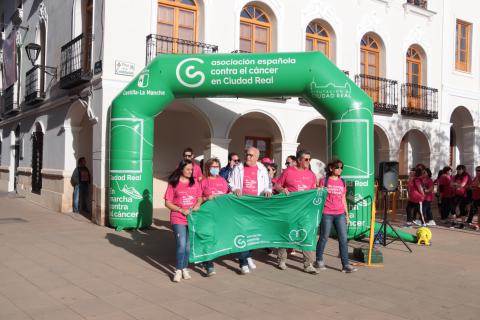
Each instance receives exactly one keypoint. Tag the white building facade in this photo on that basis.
(418, 60)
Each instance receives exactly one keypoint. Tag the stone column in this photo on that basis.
(281, 150)
(471, 147)
(217, 147)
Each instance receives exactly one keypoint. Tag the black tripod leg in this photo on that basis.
(398, 236)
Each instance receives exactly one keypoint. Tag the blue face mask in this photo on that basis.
(214, 171)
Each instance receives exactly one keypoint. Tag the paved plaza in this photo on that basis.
(61, 266)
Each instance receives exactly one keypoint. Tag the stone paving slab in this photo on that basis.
(61, 266)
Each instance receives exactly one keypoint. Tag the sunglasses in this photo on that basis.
(337, 167)
(307, 159)
(187, 155)
(236, 160)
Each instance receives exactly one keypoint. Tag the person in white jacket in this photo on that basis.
(250, 178)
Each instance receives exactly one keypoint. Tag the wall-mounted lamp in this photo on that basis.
(33, 51)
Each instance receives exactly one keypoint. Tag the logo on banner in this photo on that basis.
(240, 242)
(298, 235)
(143, 80)
(187, 75)
(330, 90)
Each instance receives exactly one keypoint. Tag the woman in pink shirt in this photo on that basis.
(459, 184)
(427, 201)
(335, 212)
(475, 187)
(183, 196)
(415, 195)
(446, 193)
(212, 185)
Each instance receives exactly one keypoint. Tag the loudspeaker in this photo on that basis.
(388, 176)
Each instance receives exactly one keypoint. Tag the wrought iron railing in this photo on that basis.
(10, 103)
(419, 101)
(418, 3)
(382, 91)
(76, 61)
(33, 86)
(158, 44)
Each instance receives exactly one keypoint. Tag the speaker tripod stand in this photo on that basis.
(383, 227)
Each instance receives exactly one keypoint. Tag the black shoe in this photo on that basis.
(452, 225)
(461, 226)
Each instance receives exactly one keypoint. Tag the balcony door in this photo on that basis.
(255, 30)
(177, 19)
(414, 79)
(370, 66)
(317, 39)
(88, 32)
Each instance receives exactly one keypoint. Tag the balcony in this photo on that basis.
(33, 86)
(418, 3)
(158, 44)
(10, 103)
(76, 66)
(419, 101)
(382, 91)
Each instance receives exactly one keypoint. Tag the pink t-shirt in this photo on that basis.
(250, 181)
(475, 188)
(461, 191)
(197, 172)
(427, 184)
(213, 186)
(336, 190)
(185, 197)
(414, 186)
(294, 179)
(444, 186)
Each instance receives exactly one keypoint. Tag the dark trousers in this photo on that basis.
(445, 208)
(460, 202)
(412, 210)
(473, 210)
(427, 210)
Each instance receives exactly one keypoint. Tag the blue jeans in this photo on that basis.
(80, 197)
(183, 245)
(242, 258)
(341, 227)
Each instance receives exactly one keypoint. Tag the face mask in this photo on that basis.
(214, 171)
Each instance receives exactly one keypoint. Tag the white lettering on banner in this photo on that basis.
(129, 215)
(247, 71)
(357, 183)
(135, 92)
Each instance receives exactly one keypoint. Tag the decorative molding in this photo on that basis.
(42, 11)
(418, 10)
(56, 174)
(27, 171)
(5, 169)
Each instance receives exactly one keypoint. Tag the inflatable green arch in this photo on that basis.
(347, 109)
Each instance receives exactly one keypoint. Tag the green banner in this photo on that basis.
(230, 224)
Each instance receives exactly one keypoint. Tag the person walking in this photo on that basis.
(428, 186)
(233, 160)
(197, 169)
(250, 178)
(335, 212)
(446, 193)
(416, 196)
(183, 196)
(460, 201)
(81, 180)
(294, 179)
(212, 185)
(475, 187)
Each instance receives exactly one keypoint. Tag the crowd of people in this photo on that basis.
(188, 188)
(458, 197)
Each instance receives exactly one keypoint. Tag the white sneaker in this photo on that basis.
(431, 223)
(186, 274)
(417, 222)
(251, 264)
(245, 270)
(282, 265)
(178, 276)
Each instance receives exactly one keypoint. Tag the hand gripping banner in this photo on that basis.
(347, 109)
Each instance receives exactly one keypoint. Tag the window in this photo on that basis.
(370, 66)
(177, 19)
(255, 30)
(262, 144)
(463, 45)
(369, 56)
(414, 77)
(318, 39)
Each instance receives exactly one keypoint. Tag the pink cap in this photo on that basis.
(266, 160)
